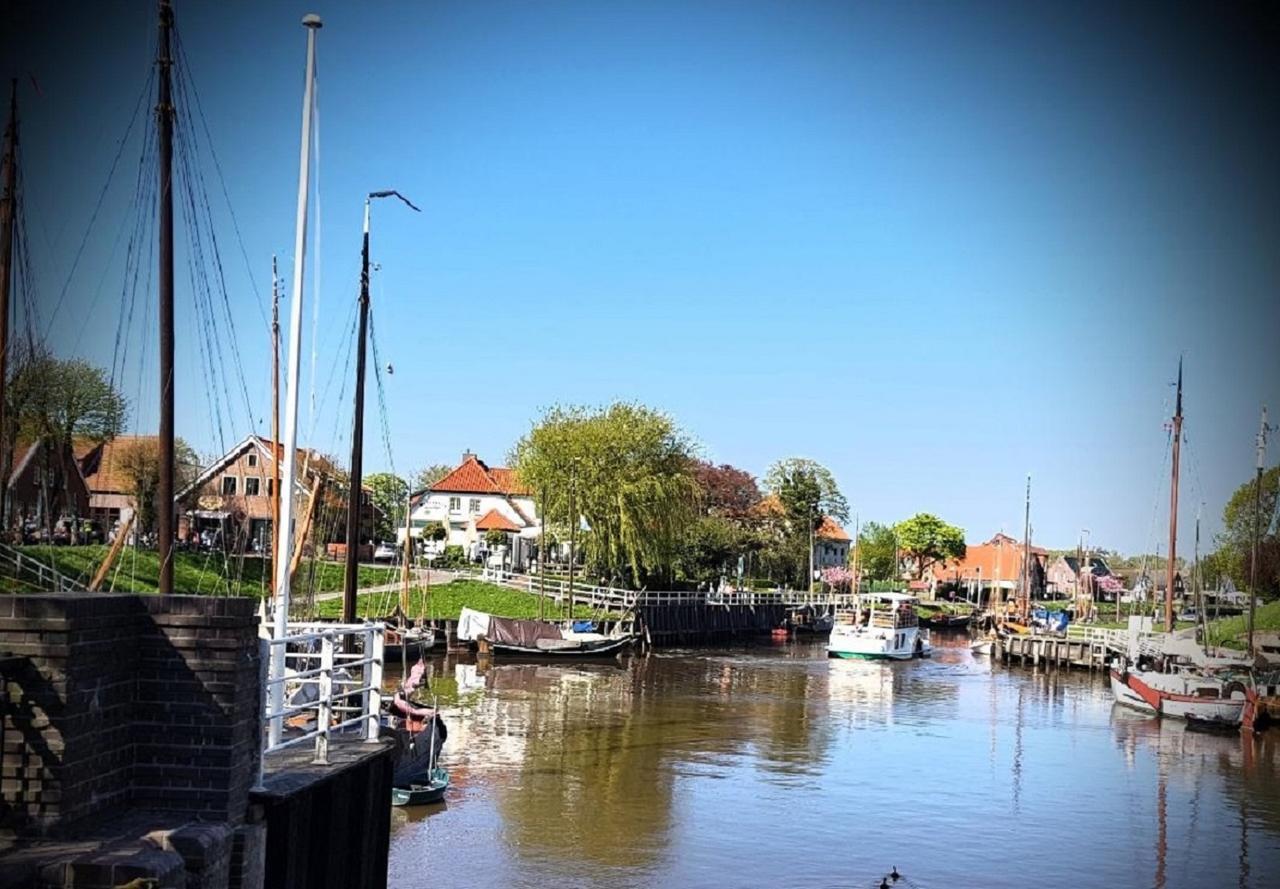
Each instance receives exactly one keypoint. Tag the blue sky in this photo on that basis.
(935, 247)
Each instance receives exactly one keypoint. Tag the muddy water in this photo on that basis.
(773, 766)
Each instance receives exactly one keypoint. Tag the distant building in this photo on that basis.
(44, 485)
(831, 545)
(1064, 574)
(476, 498)
(232, 498)
(110, 488)
(997, 563)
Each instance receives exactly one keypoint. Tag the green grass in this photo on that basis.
(138, 571)
(1230, 631)
(447, 600)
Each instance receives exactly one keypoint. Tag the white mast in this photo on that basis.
(290, 445)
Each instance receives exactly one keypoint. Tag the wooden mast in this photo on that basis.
(1025, 606)
(275, 414)
(1257, 524)
(356, 484)
(8, 213)
(1172, 568)
(164, 124)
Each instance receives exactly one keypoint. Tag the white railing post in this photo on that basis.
(324, 708)
(275, 727)
(373, 648)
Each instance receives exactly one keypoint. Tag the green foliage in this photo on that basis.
(710, 549)
(65, 399)
(447, 600)
(137, 571)
(1235, 542)
(876, 547)
(627, 469)
(434, 531)
(429, 475)
(807, 491)
(139, 464)
(495, 538)
(926, 539)
(389, 493)
(453, 557)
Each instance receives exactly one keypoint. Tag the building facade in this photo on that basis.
(470, 501)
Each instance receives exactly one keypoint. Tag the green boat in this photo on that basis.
(423, 794)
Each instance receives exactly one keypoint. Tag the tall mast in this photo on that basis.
(357, 439)
(288, 449)
(275, 413)
(1257, 522)
(8, 213)
(1172, 568)
(357, 421)
(1025, 609)
(164, 125)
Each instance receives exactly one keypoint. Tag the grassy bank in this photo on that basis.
(447, 600)
(1230, 631)
(138, 571)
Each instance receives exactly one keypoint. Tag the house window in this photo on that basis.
(228, 486)
(253, 460)
(475, 506)
(251, 486)
(271, 487)
(455, 504)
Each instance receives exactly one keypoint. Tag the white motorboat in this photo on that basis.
(882, 626)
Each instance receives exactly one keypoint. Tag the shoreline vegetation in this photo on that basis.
(213, 574)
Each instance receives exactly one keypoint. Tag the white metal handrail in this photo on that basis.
(363, 678)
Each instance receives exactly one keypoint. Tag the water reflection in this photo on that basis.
(703, 769)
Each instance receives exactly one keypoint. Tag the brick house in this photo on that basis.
(39, 469)
(1064, 574)
(232, 497)
(110, 490)
(997, 563)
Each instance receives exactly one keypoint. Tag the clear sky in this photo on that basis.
(934, 246)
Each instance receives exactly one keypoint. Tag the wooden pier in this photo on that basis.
(1090, 648)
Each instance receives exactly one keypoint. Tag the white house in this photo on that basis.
(476, 498)
(830, 545)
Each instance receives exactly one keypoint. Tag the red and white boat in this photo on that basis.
(1184, 691)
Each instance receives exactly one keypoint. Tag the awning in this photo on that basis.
(220, 514)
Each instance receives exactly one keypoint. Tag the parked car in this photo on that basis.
(386, 552)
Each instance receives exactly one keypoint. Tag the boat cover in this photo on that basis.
(472, 624)
(525, 633)
(584, 626)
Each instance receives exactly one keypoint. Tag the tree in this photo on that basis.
(806, 491)
(926, 539)
(628, 470)
(139, 461)
(58, 402)
(434, 531)
(1235, 542)
(876, 547)
(389, 493)
(429, 475)
(495, 538)
(710, 549)
(727, 491)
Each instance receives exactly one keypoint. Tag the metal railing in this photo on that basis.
(344, 664)
(27, 569)
(614, 599)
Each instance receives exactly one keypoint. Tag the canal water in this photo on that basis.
(773, 766)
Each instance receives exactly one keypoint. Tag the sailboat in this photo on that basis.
(1177, 679)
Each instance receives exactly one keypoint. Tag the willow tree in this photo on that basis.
(628, 470)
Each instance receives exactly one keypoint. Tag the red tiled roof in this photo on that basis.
(474, 477)
(495, 521)
(108, 473)
(832, 531)
(1002, 555)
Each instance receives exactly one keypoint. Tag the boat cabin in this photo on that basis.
(889, 611)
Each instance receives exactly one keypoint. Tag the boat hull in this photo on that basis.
(430, 790)
(605, 651)
(1162, 694)
(878, 644)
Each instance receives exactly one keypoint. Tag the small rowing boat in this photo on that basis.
(422, 793)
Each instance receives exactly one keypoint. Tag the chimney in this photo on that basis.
(467, 455)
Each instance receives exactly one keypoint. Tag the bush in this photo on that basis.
(434, 531)
(454, 557)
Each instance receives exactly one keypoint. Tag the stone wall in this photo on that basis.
(141, 701)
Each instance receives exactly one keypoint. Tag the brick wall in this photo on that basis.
(127, 700)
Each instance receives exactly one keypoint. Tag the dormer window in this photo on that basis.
(253, 460)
